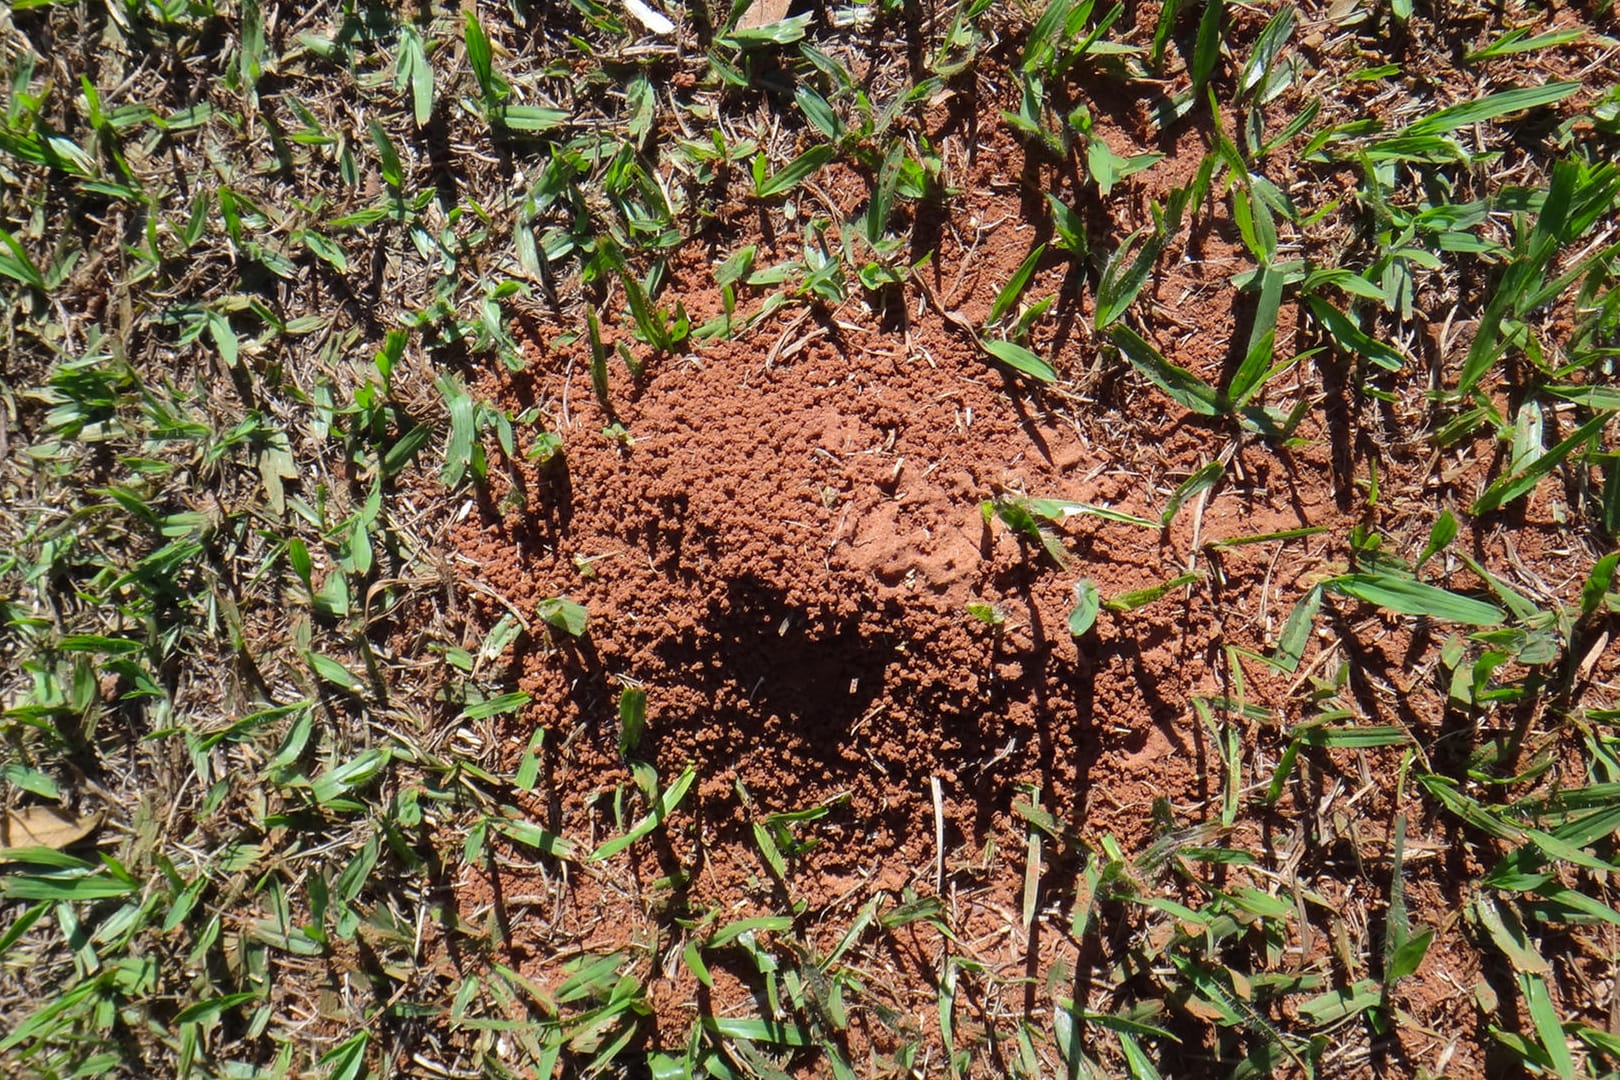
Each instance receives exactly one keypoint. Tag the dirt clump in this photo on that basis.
(783, 553)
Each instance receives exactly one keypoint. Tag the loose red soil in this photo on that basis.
(782, 553)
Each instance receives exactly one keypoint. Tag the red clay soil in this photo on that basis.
(783, 551)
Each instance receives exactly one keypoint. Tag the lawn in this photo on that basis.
(893, 538)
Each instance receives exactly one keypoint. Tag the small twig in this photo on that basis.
(939, 836)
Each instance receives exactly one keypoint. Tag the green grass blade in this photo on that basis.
(1598, 583)
(632, 719)
(795, 172)
(1045, 37)
(783, 32)
(1163, 26)
(1441, 534)
(1016, 515)
(1408, 956)
(668, 800)
(776, 1032)
(496, 706)
(15, 263)
(1491, 107)
(1137, 1063)
(41, 1019)
(1010, 292)
(412, 70)
(1351, 338)
(405, 449)
(1267, 48)
(72, 887)
(1086, 604)
(1130, 601)
(888, 181)
(1020, 359)
(1518, 483)
(1063, 509)
(599, 367)
(732, 931)
(1250, 376)
(335, 673)
(819, 113)
(1296, 632)
(1350, 738)
(1407, 597)
(528, 119)
(1516, 602)
(531, 835)
(458, 451)
(1523, 278)
(1199, 482)
(1602, 398)
(1336, 1006)
(393, 172)
(1207, 46)
(1125, 275)
(1549, 1028)
(1185, 388)
(1515, 41)
(564, 614)
(482, 59)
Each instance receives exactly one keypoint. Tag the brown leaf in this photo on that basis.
(1203, 1010)
(41, 827)
(763, 13)
(1240, 984)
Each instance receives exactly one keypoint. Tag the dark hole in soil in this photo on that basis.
(755, 656)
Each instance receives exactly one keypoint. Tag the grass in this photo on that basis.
(253, 264)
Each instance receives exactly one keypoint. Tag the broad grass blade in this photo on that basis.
(1020, 359)
(1182, 385)
(1405, 596)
